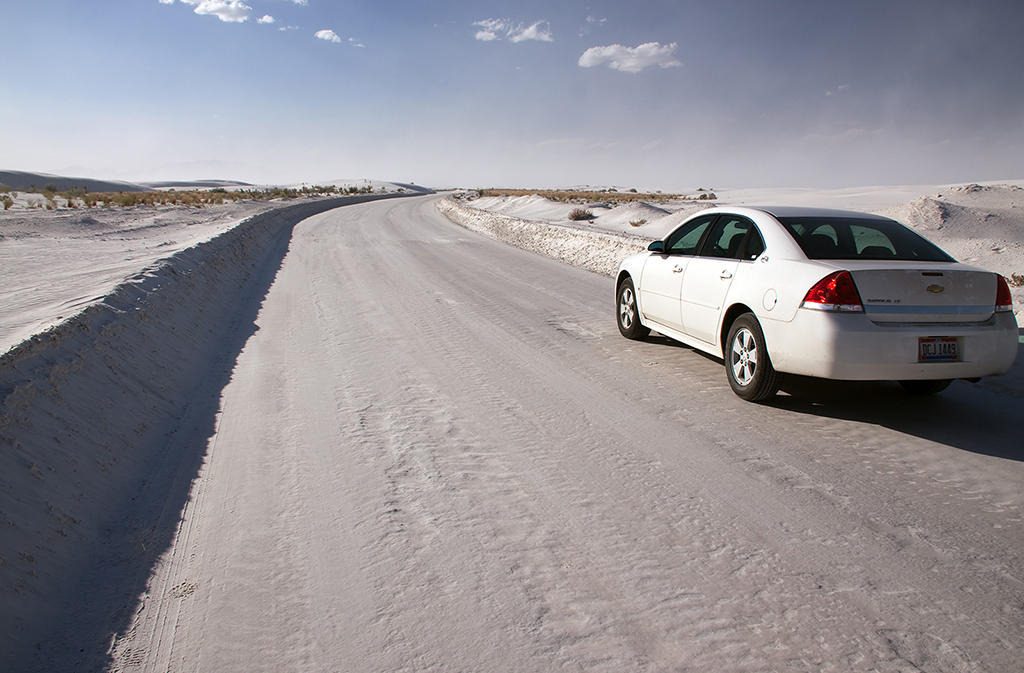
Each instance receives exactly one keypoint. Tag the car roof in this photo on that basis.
(799, 211)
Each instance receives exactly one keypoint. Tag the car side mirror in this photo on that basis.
(657, 246)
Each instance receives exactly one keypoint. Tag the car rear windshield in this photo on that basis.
(861, 238)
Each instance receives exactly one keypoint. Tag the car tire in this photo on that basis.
(627, 314)
(926, 387)
(747, 363)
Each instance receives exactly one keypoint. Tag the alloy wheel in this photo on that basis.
(744, 357)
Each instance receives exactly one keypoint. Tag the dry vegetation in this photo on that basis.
(599, 195)
(581, 196)
(83, 198)
(578, 214)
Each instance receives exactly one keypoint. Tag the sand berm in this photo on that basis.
(102, 420)
(597, 251)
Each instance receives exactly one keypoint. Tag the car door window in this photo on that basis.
(753, 246)
(684, 240)
(726, 239)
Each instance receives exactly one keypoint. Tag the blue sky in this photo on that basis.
(653, 94)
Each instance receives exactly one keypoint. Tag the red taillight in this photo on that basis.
(1004, 300)
(835, 292)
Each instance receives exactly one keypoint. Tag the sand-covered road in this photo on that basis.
(437, 453)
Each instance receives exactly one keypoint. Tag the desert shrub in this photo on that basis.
(1017, 280)
(7, 201)
(323, 189)
(637, 223)
(192, 198)
(581, 196)
(50, 187)
(5, 189)
(578, 214)
(124, 199)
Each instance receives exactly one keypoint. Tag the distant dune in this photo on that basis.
(197, 184)
(23, 181)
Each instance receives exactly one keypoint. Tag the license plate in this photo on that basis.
(937, 349)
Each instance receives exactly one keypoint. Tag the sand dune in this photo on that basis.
(978, 224)
(22, 180)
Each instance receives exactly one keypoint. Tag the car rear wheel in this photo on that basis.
(925, 387)
(747, 364)
(628, 316)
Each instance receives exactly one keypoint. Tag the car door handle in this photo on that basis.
(725, 275)
(678, 269)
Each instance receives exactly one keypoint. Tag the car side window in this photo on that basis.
(754, 245)
(684, 240)
(729, 239)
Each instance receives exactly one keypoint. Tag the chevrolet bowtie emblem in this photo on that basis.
(935, 289)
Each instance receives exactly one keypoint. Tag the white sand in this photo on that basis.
(385, 443)
(55, 263)
(97, 407)
(980, 224)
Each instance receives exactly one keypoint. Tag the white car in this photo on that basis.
(826, 293)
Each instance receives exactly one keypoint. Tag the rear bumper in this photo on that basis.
(849, 346)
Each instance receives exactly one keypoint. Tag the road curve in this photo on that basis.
(437, 453)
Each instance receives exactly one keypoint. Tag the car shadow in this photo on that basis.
(985, 418)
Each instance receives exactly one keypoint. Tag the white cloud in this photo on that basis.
(534, 32)
(631, 59)
(496, 29)
(266, 19)
(591, 22)
(840, 89)
(226, 10)
(355, 43)
(288, 28)
(301, 2)
(491, 28)
(233, 11)
(328, 35)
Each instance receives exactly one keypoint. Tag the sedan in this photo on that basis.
(826, 293)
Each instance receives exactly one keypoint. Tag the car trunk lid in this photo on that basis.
(926, 295)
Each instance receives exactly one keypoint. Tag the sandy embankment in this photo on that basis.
(601, 251)
(103, 415)
(55, 263)
(981, 225)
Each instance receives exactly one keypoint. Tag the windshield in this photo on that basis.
(861, 238)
